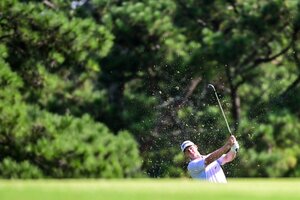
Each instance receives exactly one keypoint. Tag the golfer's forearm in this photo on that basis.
(229, 157)
(231, 154)
(216, 154)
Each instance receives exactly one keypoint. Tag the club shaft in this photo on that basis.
(221, 108)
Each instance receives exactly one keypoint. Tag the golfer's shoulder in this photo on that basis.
(197, 161)
(196, 165)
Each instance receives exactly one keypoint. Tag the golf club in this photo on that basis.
(211, 85)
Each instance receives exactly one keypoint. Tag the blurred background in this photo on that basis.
(111, 88)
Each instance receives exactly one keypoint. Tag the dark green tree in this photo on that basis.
(49, 64)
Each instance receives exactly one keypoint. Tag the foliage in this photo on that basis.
(84, 83)
(36, 60)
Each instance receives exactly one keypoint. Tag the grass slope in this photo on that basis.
(150, 189)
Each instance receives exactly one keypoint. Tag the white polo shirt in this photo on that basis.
(213, 172)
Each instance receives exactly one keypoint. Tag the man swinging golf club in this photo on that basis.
(208, 167)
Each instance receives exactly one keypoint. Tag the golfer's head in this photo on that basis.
(186, 144)
(190, 149)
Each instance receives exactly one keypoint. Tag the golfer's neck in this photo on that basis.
(196, 156)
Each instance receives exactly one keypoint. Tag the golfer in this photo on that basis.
(208, 167)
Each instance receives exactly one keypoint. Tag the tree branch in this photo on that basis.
(259, 61)
(235, 99)
(297, 81)
(268, 59)
(232, 3)
(49, 4)
(187, 13)
(4, 36)
(290, 87)
(181, 100)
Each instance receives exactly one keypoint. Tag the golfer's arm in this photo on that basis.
(229, 157)
(216, 154)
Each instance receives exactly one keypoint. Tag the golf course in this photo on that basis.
(148, 189)
(149, 100)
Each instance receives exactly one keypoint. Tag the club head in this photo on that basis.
(212, 86)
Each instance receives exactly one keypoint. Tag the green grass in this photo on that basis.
(150, 189)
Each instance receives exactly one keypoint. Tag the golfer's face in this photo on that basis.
(192, 152)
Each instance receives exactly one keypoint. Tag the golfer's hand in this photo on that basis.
(235, 146)
(231, 140)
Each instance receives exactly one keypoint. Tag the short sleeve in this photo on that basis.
(220, 160)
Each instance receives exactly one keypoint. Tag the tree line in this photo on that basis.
(110, 88)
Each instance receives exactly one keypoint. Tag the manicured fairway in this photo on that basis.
(150, 189)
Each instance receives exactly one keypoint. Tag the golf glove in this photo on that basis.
(235, 147)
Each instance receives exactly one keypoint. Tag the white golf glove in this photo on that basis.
(235, 147)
